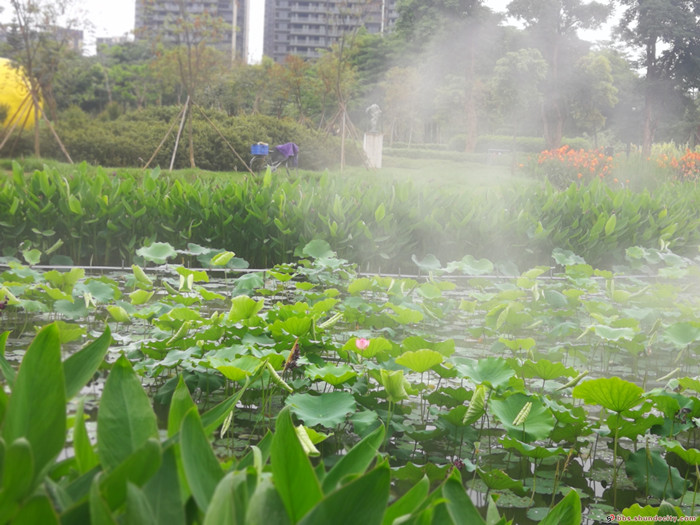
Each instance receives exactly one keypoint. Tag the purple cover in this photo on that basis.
(289, 150)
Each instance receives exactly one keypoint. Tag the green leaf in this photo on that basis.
(81, 366)
(394, 384)
(100, 514)
(180, 404)
(138, 507)
(612, 393)
(222, 510)
(292, 472)
(610, 224)
(477, 406)
(545, 369)
(118, 313)
(328, 409)
(689, 455)
(355, 461)
(471, 266)
(683, 333)
(498, 480)
(222, 259)
(36, 410)
(331, 373)
(653, 476)
(141, 277)
(38, 509)
(318, 249)
(85, 456)
(429, 263)
(163, 491)
(380, 212)
(459, 504)
(125, 420)
(6, 368)
(202, 469)
(18, 470)
(566, 512)
(158, 252)
(538, 424)
(408, 503)
(266, 506)
(492, 371)
(243, 307)
(420, 360)
(360, 502)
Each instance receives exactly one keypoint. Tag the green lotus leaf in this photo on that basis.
(545, 369)
(429, 263)
(682, 334)
(330, 373)
(376, 345)
(689, 455)
(118, 314)
(492, 371)
(395, 385)
(653, 476)
(614, 334)
(612, 393)
(318, 249)
(499, 480)
(531, 451)
(414, 342)
(536, 426)
(294, 326)
(158, 252)
(244, 307)
(140, 297)
(468, 265)
(328, 409)
(420, 360)
(237, 369)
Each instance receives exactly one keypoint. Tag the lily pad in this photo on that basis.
(328, 410)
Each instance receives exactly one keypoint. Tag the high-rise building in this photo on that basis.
(159, 19)
(305, 27)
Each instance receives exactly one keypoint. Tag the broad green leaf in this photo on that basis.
(531, 451)
(612, 393)
(266, 506)
(243, 307)
(318, 249)
(689, 455)
(180, 404)
(163, 491)
(610, 224)
(459, 506)
(222, 259)
(138, 468)
(538, 424)
(477, 406)
(141, 277)
(306, 443)
(362, 501)
(18, 470)
(471, 266)
(328, 409)
(85, 456)
(330, 373)
(683, 333)
(140, 297)
(614, 334)
(492, 371)
(32, 256)
(566, 512)
(38, 509)
(221, 510)
(294, 326)
(355, 461)
(545, 369)
(36, 410)
(158, 252)
(237, 369)
(138, 507)
(429, 263)
(376, 345)
(118, 314)
(408, 503)
(653, 476)
(125, 420)
(420, 360)
(202, 469)
(394, 384)
(498, 480)
(292, 472)
(446, 347)
(100, 514)
(6, 368)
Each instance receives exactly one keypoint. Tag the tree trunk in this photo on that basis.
(649, 114)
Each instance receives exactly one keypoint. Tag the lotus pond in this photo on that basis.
(560, 387)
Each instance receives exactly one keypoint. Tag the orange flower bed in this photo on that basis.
(685, 168)
(569, 164)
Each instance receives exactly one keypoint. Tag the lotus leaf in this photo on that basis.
(158, 252)
(538, 424)
(689, 455)
(420, 360)
(493, 372)
(612, 393)
(499, 480)
(318, 249)
(332, 374)
(328, 409)
(684, 333)
(652, 475)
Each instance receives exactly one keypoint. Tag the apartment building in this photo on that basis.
(158, 19)
(306, 27)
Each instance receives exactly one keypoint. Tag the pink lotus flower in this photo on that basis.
(361, 343)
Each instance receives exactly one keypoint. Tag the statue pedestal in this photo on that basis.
(373, 144)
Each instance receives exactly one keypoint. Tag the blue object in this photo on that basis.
(259, 149)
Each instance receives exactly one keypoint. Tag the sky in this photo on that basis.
(117, 18)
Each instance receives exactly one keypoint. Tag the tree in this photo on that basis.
(39, 39)
(666, 33)
(593, 93)
(517, 84)
(552, 26)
